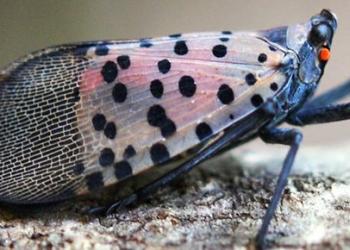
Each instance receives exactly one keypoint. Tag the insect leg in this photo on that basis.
(231, 136)
(330, 96)
(289, 137)
(323, 114)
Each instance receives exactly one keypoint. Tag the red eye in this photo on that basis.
(324, 54)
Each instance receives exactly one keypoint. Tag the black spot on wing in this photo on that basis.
(262, 57)
(106, 157)
(94, 181)
(225, 94)
(187, 86)
(144, 43)
(110, 130)
(123, 61)
(167, 128)
(176, 35)
(156, 115)
(219, 50)
(157, 88)
(224, 39)
(129, 152)
(122, 170)
(82, 49)
(101, 50)
(274, 86)
(203, 131)
(256, 100)
(109, 71)
(250, 79)
(180, 48)
(99, 122)
(164, 66)
(119, 92)
(159, 153)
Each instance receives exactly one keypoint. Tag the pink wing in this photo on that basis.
(135, 104)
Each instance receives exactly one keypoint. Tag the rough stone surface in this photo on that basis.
(217, 206)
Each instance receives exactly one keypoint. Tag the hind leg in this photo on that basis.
(292, 138)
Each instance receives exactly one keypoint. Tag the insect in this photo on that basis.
(79, 117)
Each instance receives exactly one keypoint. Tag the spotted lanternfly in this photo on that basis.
(79, 117)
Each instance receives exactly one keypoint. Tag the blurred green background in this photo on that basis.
(26, 26)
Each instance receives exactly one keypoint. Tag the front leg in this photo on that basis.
(322, 114)
(289, 137)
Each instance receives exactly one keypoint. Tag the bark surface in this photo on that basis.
(217, 206)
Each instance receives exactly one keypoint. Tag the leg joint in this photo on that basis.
(281, 136)
(298, 137)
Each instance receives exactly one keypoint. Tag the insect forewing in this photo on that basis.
(79, 117)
